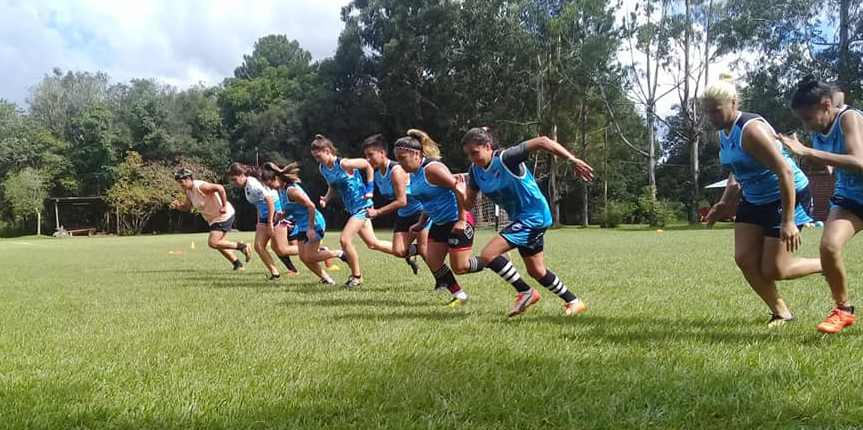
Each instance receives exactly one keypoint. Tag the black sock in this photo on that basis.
(847, 309)
(237, 264)
(241, 246)
(413, 250)
(555, 285)
(444, 277)
(476, 264)
(288, 263)
(507, 271)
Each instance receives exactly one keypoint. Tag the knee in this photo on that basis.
(212, 243)
(747, 262)
(772, 271)
(260, 247)
(460, 269)
(831, 249)
(346, 242)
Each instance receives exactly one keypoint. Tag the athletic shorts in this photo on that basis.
(769, 216)
(442, 233)
(849, 205)
(360, 214)
(303, 236)
(225, 225)
(277, 223)
(403, 224)
(529, 241)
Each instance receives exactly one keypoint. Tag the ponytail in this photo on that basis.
(320, 142)
(810, 91)
(237, 169)
(430, 148)
(290, 173)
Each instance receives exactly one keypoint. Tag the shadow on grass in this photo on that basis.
(457, 388)
(347, 300)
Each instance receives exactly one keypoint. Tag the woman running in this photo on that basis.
(775, 198)
(837, 140)
(346, 176)
(505, 179)
(394, 185)
(270, 221)
(309, 224)
(212, 203)
(444, 204)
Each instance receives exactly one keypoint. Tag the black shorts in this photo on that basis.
(769, 216)
(529, 241)
(443, 234)
(303, 236)
(849, 205)
(402, 224)
(226, 225)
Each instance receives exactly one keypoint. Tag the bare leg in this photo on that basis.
(367, 234)
(262, 237)
(217, 242)
(842, 225)
(779, 264)
(748, 248)
(347, 242)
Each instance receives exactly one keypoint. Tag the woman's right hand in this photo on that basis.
(174, 205)
(322, 202)
(716, 213)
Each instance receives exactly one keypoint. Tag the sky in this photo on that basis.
(180, 42)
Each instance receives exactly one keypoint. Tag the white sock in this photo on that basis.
(461, 295)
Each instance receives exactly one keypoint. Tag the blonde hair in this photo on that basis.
(290, 173)
(430, 147)
(721, 90)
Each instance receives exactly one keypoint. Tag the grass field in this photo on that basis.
(116, 333)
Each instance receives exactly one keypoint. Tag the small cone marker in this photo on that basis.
(193, 244)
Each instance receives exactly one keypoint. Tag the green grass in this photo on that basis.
(116, 333)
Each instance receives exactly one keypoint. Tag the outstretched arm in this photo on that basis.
(362, 164)
(852, 127)
(581, 168)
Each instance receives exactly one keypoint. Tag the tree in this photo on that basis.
(25, 193)
(59, 98)
(141, 189)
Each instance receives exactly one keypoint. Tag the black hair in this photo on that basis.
(237, 169)
(810, 92)
(480, 136)
(377, 141)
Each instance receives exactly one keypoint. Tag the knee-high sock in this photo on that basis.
(555, 285)
(507, 271)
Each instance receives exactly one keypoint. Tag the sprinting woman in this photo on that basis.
(267, 203)
(837, 140)
(452, 229)
(353, 178)
(309, 224)
(775, 198)
(505, 179)
(393, 184)
(212, 203)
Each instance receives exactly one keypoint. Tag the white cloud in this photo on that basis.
(179, 42)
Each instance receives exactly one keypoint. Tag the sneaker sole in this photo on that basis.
(521, 311)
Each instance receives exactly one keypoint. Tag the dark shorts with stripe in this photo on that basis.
(225, 225)
(442, 233)
(402, 224)
(769, 216)
(529, 241)
(849, 205)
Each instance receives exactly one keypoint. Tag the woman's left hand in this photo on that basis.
(459, 227)
(582, 169)
(790, 234)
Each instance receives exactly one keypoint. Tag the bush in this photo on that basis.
(617, 213)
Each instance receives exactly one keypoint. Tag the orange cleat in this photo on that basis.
(523, 301)
(837, 320)
(577, 306)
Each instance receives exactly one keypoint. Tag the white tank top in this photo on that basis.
(208, 204)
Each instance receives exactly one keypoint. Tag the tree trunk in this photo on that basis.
(844, 68)
(689, 115)
(651, 160)
(552, 182)
(585, 192)
(38, 223)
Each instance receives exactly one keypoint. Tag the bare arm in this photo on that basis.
(362, 164)
(399, 179)
(304, 201)
(209, 188)
(438, 174)
(581, 168)
(326, 197)
(852, 161)
(271, 210)
(761, 143)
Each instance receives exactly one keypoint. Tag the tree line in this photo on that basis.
(582, 72)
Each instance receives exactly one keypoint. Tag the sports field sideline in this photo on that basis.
(118, 333)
